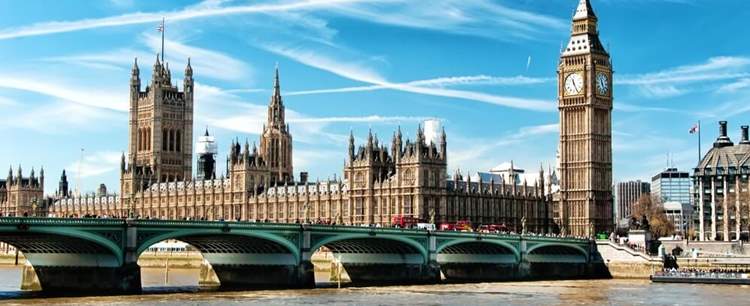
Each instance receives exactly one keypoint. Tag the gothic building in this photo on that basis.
(22, 196)
(409, 178)
(584, 204)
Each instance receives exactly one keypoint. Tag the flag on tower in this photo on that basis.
(160, 28)
(694, 129)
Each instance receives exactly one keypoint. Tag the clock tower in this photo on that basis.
(585, 104)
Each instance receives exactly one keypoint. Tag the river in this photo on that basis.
(182, 291)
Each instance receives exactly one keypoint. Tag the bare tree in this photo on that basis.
(652, 209)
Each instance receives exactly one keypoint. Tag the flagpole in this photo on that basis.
(699, 143)
(162, 39)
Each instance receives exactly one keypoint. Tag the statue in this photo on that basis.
(523, 225)
(644, 224)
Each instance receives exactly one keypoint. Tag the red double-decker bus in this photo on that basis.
(402, 221)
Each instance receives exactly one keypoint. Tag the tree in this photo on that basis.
(653, 211)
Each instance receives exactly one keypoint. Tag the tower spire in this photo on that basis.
(584, 11)
(276, 89)
(161, 29)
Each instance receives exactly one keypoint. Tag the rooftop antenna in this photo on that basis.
(161, 29)
(78, 175)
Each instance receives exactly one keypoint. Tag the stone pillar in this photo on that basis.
(701, 230)
(713, 208)
(208, 278)
(29, 280)
(725, 208)
(737, 207)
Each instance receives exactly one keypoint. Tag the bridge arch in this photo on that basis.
(359, 243)
(558, 252)
(45, 245)
(491, 242)
(380, 258)
(252, 236)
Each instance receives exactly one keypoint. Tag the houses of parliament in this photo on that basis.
(405, 177)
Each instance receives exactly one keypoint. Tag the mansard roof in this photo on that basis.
(721, 159)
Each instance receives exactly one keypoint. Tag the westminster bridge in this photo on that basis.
(100, 255)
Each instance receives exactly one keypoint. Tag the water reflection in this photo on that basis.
(183, 290)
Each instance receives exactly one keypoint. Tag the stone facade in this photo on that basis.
(585, 104)
(22, 196)
(409, 178)
(722, 184)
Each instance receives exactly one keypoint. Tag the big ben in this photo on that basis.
(585, 104)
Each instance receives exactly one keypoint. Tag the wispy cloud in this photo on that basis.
(715, 68)
(208, 63)
(193, 12)
(59, 117)
(95, 164)
(483, 147)
(7, 102)
(358, 72)
(436, 82)
(735, 86)
(90, 96)
(477, 18)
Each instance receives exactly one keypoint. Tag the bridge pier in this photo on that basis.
(477, 272)
(99, 280)
(392, 274)
(265, 276)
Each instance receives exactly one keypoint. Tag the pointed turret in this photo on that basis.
(122, 163)
(135, 72)
(188, 69)
(584, 11)
(10, 174)
(443, 144)
(351, 146)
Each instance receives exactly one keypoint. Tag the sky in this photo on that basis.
(486, 69)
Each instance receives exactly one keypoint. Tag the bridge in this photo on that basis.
(100, 255)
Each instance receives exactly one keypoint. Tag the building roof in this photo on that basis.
(584, 10)
(725, 157)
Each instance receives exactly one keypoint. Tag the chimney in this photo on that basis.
(723, 140)
(745, 139)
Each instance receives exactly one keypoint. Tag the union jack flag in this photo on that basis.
(694, 129)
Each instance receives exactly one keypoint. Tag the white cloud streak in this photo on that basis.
(199, 11)
(95, 164)
(715, 68)
(436, 82)
(98, 98)
(358, 72)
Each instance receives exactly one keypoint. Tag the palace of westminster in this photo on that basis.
(406, 178)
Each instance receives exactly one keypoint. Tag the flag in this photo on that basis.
(160, 28)
(694, 129)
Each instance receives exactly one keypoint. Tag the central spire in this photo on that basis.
(276, 86)
(584, 11)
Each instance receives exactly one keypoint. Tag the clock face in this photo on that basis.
(602, 83)
(573, 84)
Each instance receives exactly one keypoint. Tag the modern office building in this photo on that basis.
(672, 185)
(681, 215)
(627, 194)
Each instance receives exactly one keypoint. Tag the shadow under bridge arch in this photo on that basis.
(243, 259)
(380, 259)
(478, 260)
(65, 260)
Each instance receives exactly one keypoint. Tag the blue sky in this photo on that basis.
(485, 68)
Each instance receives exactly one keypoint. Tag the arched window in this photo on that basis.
(164, 139)
(178, 144)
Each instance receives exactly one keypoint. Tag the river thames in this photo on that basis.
(182, 290)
